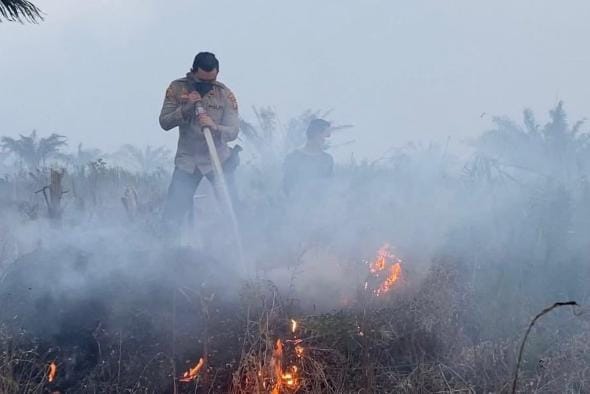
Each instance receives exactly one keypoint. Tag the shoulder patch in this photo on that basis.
(177, 91)
(169, 92)
(232, 99)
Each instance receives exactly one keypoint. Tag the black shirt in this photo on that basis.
(304, 169)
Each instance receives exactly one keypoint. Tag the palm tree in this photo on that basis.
(19, 10)
(3, 157)
(81, 157)
(34, 151)
(555, 149)
(148, 160)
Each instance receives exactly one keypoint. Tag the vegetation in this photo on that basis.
(19, 10)
(485, 245)
(144, 161)
(34, 151)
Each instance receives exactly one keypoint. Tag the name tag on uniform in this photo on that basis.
(214, 106)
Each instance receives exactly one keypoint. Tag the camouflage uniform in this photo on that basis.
(192, 160)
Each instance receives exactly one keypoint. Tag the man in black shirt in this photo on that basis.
(309, 165)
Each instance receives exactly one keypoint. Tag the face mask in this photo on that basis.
(203, 87)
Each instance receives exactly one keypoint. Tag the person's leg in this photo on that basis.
(179, 202)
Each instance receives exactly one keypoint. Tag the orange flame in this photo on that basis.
(276, 365)
(277, 354)
(288, 378)
(386, 263)
(192, 373)
(52, 372)
(392, 278)
(383, 255)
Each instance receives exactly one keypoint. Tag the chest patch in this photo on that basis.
(233, 100)
(214, 106)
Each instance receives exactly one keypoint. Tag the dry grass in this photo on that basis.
(412, 341)
(21, 370)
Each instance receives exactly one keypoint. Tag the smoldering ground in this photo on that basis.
(485, 243)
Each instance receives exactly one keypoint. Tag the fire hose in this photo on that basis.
(221, 185)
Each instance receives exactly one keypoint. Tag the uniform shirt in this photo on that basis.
(303, 169)
(221, 105)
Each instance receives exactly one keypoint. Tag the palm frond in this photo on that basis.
(158, 154)
(578, 126)
(530, 122)
(23, 147)
(134, 153)
(338, 128)
(33, 150)
(145, 160)
(249, 131)
(557, 127)
(553, 149)
(19, 11)
(9, 145)
(50, 145)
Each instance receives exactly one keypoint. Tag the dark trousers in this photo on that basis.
(179, 203)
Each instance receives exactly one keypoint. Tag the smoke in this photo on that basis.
(508, 211)
(511, 220)
(520, 196)
(421, 71)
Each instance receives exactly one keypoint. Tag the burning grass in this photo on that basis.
(398, 334)
(172, 329)
(408, 340)
(385, 270)
(502, 253)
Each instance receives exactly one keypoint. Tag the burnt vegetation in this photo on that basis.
(90, 281)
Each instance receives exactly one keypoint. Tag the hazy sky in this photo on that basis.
(97, 70)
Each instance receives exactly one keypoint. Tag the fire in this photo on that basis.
(392, 278)
(192, 373)
(52, 372)
(278, 351)
(276, 365)
(385, 264)
(293, 326)
(288, 378)
(383, 255)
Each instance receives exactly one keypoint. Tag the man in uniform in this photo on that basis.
(311, 165)
(192, 161)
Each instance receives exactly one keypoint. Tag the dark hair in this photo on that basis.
(206, 61)
(316, 126)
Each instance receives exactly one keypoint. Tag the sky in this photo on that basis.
(96, 71)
